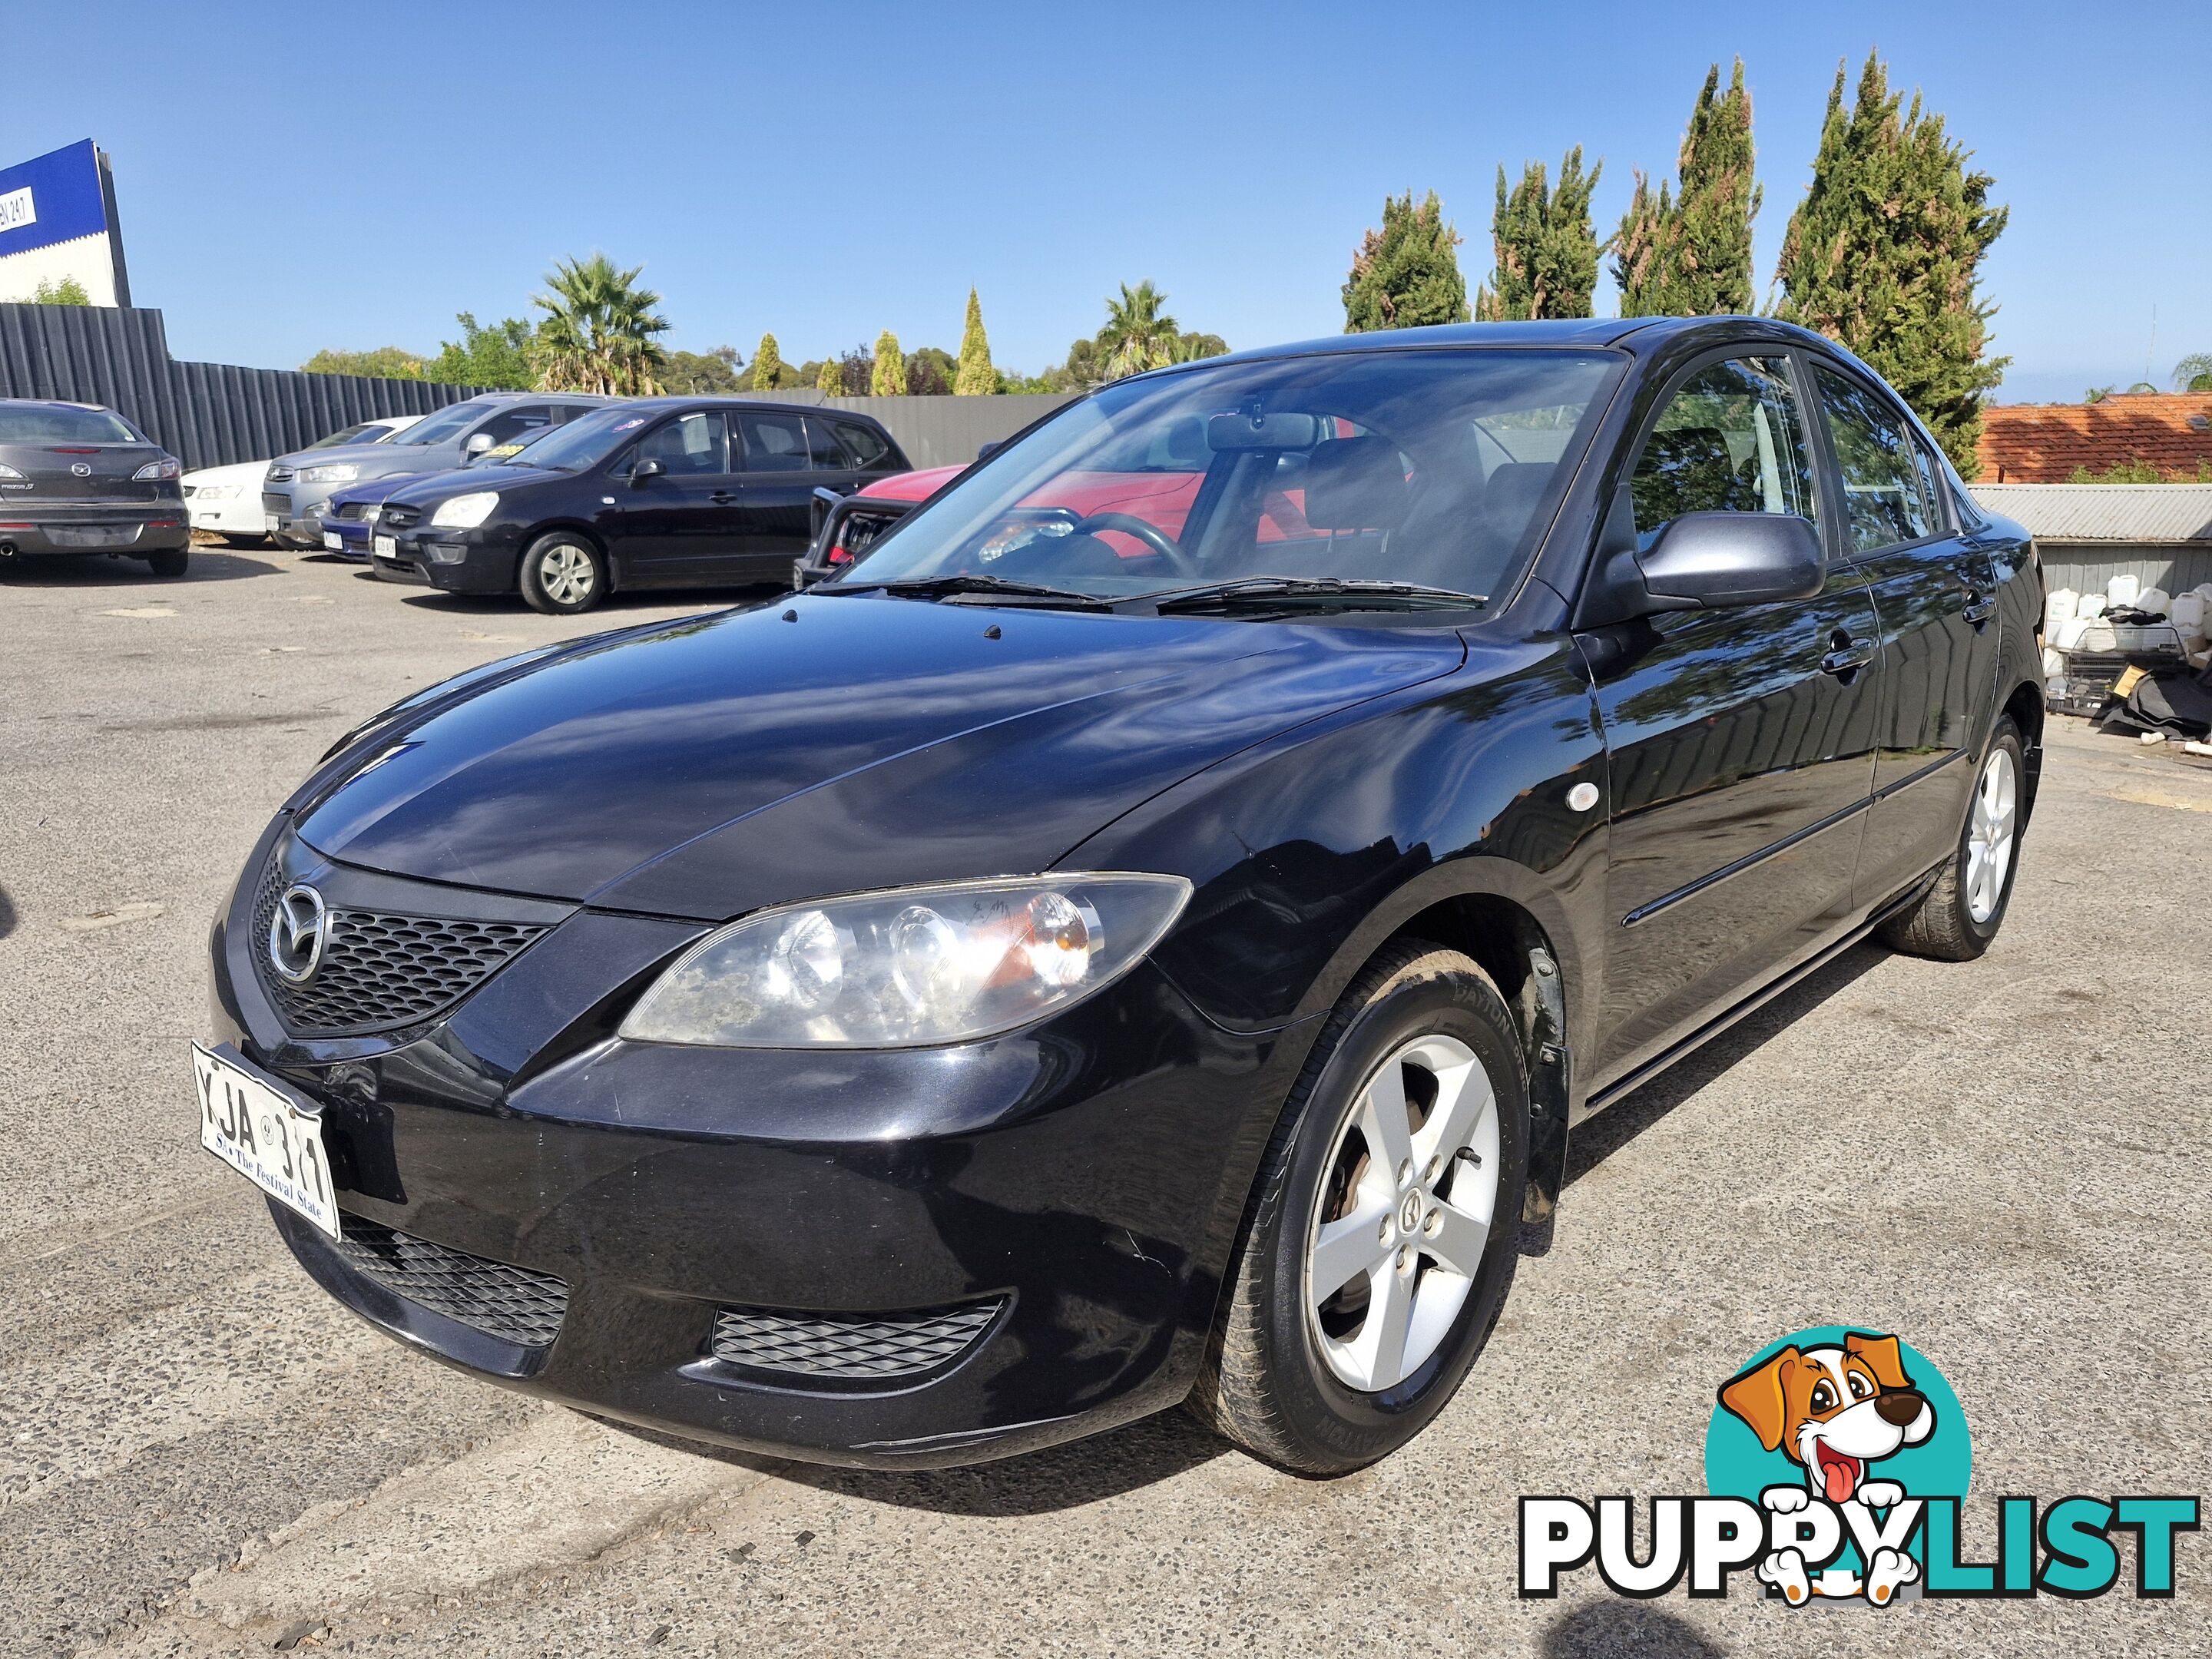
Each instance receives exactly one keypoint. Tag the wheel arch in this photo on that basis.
(2025, 705)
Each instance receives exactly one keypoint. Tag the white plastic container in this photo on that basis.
(2155, 599)
(2097, 635)
(2089, 604)
(2068, 635)
(2054, 663)
(2058, 607)
(2187, 611)
(2122, 589)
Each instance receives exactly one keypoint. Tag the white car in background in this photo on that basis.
(227, 499)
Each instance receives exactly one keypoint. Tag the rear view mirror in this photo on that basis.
(1238, 430)
(478, 443)
(990, 449)
(645, 468)
(1713, 560)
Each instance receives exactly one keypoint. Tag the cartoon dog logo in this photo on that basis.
(1834, 1412)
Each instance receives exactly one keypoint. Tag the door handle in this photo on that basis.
(723, 497)
(1979, 608)
(1846, 655)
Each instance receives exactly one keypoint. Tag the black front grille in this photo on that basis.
(379, 970)
(272, 502)
(516, 1305)
(848, 1346)
(400, 518)
(352, 511)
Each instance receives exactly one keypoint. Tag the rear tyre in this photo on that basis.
(563, 574)
(169, 560)
(1958, 918)
(1383, 1233)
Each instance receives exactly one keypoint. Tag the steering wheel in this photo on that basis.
(1128, 524)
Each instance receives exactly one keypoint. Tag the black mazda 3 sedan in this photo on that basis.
(1146, 933)
(661, 492)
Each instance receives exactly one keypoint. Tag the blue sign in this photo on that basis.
(50, 198)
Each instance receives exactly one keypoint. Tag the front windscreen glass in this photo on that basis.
(367, 432)
(42, 423)
(585, 441)
(1421, 466)
(448, 422)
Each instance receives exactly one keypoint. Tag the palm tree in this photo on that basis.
(2194, 372)
(1138, 336)
(597, 335)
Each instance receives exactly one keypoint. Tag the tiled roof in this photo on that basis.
(2104, 513)
(2042, 443)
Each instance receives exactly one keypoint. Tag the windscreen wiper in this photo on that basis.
(1268, 590)
(980, 589)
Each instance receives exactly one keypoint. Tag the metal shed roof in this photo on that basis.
(2105, 512)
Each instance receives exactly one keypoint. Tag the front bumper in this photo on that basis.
(1080, 1184)
(485, 560)
(79, 527)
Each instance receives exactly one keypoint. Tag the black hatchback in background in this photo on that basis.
(663, 492)
(1150, 931)
(78, 478)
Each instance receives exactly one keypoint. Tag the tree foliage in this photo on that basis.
(67, 292)
(1407, 274)
(502, 356)
(600, 330)
(385, 363)
(931, 372)
(2194, 372)
(703, 373)
(975, 377)
(1139, 334)
(1545, 251)
(1689, 255)
(768, 362)
(1884, 252)
(830, 377)
(887, 375)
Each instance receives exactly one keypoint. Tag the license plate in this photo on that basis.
(276, 524)
(332, 540)
(387, 547)
(267, 1131)
(92, 535)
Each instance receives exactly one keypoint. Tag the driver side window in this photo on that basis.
(1730, 440)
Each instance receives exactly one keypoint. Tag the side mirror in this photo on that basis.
(990, 449)
(478, 443)
(1713, 560)
(645, 468)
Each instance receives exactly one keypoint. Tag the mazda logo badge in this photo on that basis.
(81, 469)
(297, 934)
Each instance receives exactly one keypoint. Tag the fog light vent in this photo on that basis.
(848, 1346)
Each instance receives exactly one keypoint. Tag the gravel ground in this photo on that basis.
(199, 1454)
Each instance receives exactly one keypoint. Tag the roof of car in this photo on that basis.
(726, 400)
(1633, 333)
(55, 402)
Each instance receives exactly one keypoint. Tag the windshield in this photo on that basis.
(38, 423)
(367, 432)
(448, 422)
(1423, 467)
(585, 441)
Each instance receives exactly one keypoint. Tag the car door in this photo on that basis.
(1740, 740)
(777, 490)
(678, 520)
(1937, 599)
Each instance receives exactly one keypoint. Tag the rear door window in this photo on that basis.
(1885, 498)
(773, 443)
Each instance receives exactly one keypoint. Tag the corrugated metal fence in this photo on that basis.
(205, 414)
(212, 414)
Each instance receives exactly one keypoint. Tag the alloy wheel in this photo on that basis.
(1405, 1211)
(1990, 833)
(566, 573)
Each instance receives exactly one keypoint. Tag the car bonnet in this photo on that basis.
(741, 759)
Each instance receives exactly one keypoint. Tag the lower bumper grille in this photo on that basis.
(849, 1347)
(516, 1305)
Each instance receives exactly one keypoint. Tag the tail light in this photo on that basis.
(166, 467)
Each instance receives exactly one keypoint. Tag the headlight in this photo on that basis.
(214, 492)
(908, 967)
(166, 467)
(339, 473)
(465, 511)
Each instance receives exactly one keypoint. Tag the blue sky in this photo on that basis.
(292, 177)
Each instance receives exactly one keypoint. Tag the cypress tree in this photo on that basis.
(1407, 274)
(888, 378)
(1690, 255)
(975, 378)
(830, 377)
(768, 363)
(1884, 252)
(1547, 252)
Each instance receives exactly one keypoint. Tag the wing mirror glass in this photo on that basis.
(478, 443)
(645, 468)
(1713, 560)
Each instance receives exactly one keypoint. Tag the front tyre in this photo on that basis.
(563, 575)
(1958, 918)
(1383, 1234)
